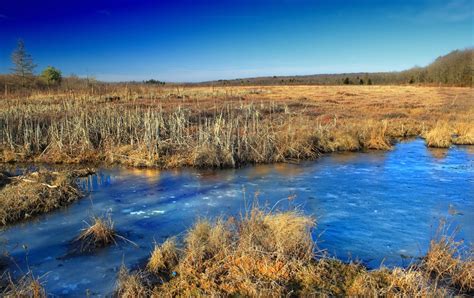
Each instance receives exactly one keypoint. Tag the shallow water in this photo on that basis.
(378, 207)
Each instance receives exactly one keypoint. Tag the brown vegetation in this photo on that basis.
(164, 257)
(22, 197)
(464, 134)
(227, 126)
(447, 265)
(439, 136)
(26, 286)
(267, 254)
(99, 234)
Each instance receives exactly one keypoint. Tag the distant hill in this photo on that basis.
(455, 68)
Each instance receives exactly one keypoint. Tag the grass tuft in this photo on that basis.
(439, 136)
(130, 285)
(446, 263)
(465, 134)
(164, 257)
(26, 286)
(99, 234)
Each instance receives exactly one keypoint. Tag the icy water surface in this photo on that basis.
(378, 207)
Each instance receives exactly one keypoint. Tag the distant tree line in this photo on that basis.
(154, 82)
(455, 69)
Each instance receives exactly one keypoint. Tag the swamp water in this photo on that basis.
(377, 207)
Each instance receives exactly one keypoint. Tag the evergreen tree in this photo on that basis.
(23, 63)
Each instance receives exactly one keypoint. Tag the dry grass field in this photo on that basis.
(227, 126)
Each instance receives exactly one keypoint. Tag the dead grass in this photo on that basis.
(465, 133)
(26, 286)
(164, 257)
(131, 285)
(439, 136)
(228, 126)
(23, 197)
(273, 254)
(447, 265)
(98, 234)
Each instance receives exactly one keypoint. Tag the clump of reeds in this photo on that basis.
(98, 234)
(374, 136)
(464, 134)
(25, 196)
(446, 264)
(164, 257)
(273, 254)
(439, 136)
(26, 286)
(131, 285)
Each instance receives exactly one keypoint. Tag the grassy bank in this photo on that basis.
(25, 196)
(266, 254)
(228, 126)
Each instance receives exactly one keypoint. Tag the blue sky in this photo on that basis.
(118, 40)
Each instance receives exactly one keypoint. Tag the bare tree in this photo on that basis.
(23, 63)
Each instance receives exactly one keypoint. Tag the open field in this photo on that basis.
(227, 126)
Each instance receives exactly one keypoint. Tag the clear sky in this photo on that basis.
(117, 40)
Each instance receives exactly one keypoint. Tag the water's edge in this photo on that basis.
(378, 207)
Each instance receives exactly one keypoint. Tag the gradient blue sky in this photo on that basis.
(117, 40)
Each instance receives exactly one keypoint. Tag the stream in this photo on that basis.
(375, 207)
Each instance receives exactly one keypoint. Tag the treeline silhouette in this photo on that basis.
(453, 69)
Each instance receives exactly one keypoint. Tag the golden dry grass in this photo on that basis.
(447, 265)
(228, 126)
(464, 134)
(273, 254)
(98, 234)
(164, 257)
(26, 286)
(440, 136)
(23, 197)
